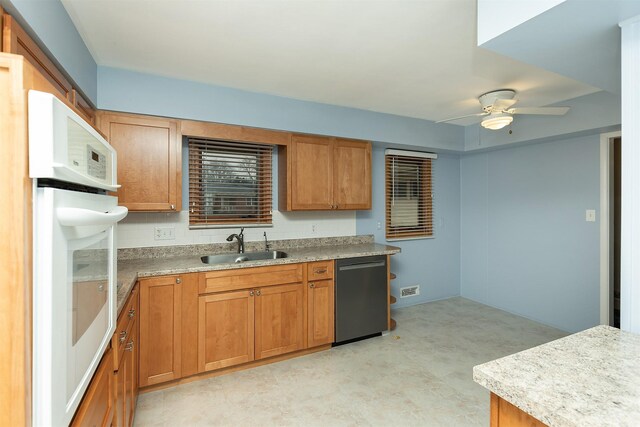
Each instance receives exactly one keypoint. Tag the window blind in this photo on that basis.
(409, 195)
(229, 183)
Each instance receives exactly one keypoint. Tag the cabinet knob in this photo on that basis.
(132, 313)
(123, 336)
(129, 346)
(178, 280)
(258, 292)
(251, 293)
(312, 285)
(173, 207)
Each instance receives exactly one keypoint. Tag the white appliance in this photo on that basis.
(74, 287)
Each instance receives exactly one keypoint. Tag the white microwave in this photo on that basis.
(74, 255)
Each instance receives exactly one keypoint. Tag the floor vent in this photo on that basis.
(410, 291)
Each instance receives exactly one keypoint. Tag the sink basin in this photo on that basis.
(247, 256)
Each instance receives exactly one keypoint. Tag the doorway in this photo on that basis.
(610, 208)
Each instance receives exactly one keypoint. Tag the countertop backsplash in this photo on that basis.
(138, 229)
(217, 248)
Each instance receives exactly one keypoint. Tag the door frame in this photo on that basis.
(606, 273)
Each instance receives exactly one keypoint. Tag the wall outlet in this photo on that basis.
(313, 228)
(590, 215)
(379, 225)
(410, 291)
(164, 233)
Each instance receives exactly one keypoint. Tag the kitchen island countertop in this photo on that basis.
(129, 270)
(591, 378)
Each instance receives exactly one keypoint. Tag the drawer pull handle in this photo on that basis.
(132, 313)
(123, 336)
(320, 270)
(129, 346)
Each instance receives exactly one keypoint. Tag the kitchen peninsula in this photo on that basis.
(591, 378)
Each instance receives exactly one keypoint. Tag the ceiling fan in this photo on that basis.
(497, 107)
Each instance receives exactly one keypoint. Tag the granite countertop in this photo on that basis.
(591, 378)
(129, 270)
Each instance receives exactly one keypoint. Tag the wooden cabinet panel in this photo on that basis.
(15, 40)
(352, 174)
(279, 320)
(97, 406)
(504, 414)
(320, 305)
(189, 320)
(149, 160)
(311, 172)
(160, 329)
(225, 329)
(83, 107)
(229, 280)
(320, 270)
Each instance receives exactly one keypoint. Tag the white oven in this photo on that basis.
(74, 292)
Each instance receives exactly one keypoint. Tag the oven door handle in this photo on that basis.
(78, 217)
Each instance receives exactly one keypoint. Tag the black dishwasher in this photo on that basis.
(361, 297)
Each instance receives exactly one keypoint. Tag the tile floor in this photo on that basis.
(420, 374)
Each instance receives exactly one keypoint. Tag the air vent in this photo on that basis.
(410, 291)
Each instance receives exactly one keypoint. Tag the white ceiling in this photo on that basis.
(411, 58)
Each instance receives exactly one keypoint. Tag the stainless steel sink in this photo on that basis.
(247, 256)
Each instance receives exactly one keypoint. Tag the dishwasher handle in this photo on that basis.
(361, 266)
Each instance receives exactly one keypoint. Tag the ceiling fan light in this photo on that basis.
(496, 121)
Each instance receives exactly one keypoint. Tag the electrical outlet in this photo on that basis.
(379, 225)
(313, 228)
(590, 215)
(164, 233)
(410, 291)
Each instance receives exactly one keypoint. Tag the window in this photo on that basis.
(409, 194)
(229, 183)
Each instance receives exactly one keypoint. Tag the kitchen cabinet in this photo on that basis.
(160, 330)
(225, 329)
(149, 160)
(320, 308)
(97, 406)
(83, 107)
(325, 173)
(250, 314)
(128, 362)
(279, 320)
(504, 414)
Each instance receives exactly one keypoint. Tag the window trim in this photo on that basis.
(425, 160)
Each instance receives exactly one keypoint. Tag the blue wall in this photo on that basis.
(129, 91)
(48, 21)
(525, 245)
(434, 264)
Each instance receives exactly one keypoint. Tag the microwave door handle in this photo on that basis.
(77, 217)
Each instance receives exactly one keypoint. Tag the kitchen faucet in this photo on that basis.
(240, 238)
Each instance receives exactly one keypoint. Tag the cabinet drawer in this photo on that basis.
(231, 280)
(320, 270)
(124, 326)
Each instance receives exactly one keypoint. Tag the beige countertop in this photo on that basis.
(591, 378)
(129, 270)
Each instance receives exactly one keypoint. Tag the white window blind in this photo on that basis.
(229, 183)
(409, 194)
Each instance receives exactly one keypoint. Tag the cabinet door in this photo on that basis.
(160, 330)
(131, 382)
(225, 329)
(320, 306)
(311, 173)
(97, 406)
(352, 174)
(149, 161)
(279, 320)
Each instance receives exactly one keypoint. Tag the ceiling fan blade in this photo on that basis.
(503, 104)
(542, 111)
(462, 117)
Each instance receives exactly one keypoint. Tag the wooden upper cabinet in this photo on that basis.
(149, 160)
(160, 329)
(16, 40)
(352, 174)
(311, 173)
(83, 107)
(325, 173)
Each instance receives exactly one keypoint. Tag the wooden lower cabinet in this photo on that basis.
(504, 414)
(320, 312)
(160, 329)
(97, 406)
(279, 320)
(225, 329)
(127, 381)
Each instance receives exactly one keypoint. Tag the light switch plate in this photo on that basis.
(164, 233)
(590, 215)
